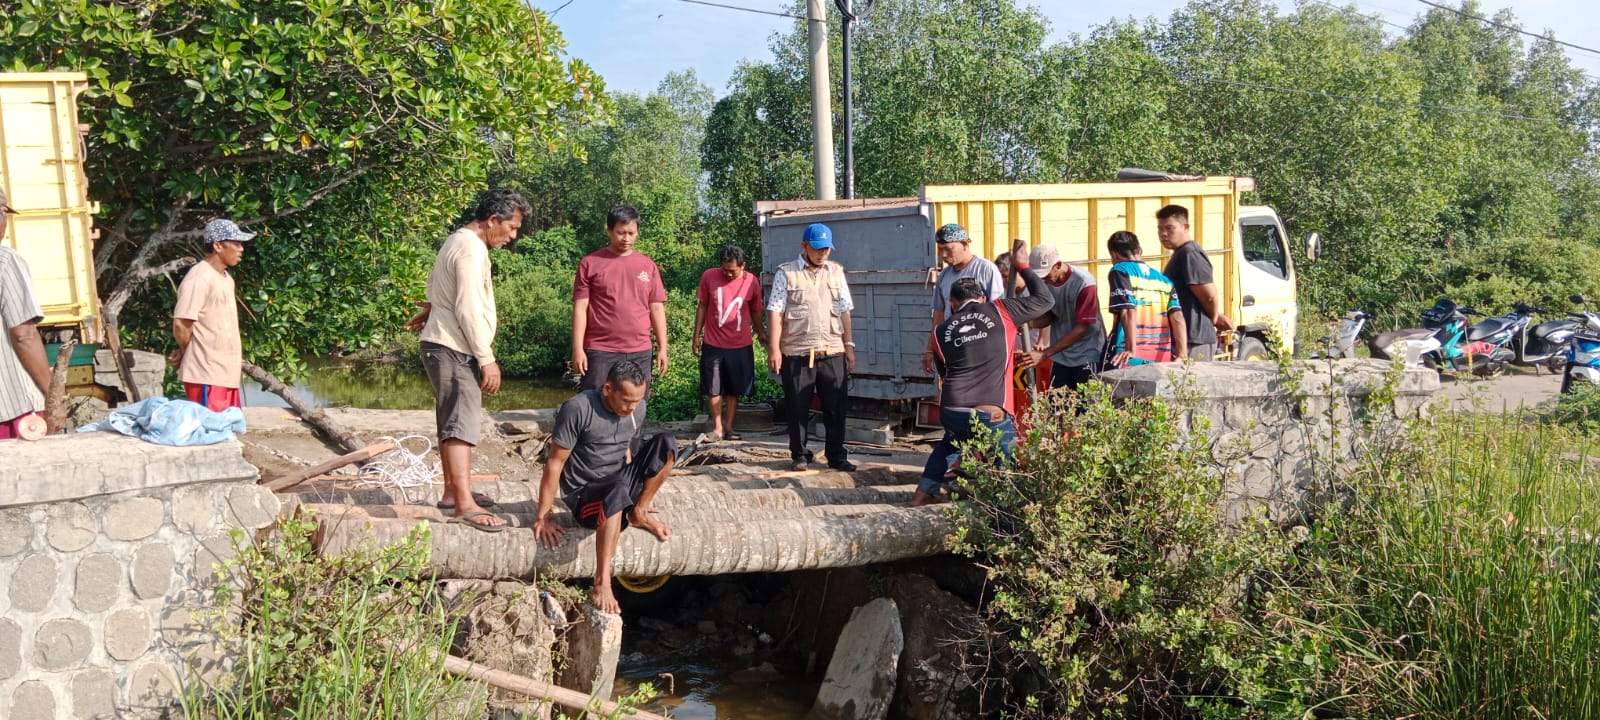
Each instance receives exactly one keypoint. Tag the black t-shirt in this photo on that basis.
(598, 440)
(1189, 265)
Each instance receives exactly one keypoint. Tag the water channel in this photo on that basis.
(702, 680)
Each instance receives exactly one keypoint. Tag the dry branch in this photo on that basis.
(311, 414)
(364, 454)
(540, 690)
(55, 403)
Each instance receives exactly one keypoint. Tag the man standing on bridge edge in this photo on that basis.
(24, 369)
(617, 301)
(973, 350)
(955, 251)
(809, 343)
(607, 486)
(205, 321)
(726, 323)
(458, 324)
(1190, 271)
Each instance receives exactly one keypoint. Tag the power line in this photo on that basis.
(741, 8)
(1502, 26)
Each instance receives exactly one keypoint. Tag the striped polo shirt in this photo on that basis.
(18, 394)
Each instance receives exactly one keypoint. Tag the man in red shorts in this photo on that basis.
(205, 321)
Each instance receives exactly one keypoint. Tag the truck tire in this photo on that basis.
(1251, 349)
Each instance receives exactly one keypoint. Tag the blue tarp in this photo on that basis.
(172, 422)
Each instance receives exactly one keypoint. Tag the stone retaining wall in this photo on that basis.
(1275, 432)
(104, 543)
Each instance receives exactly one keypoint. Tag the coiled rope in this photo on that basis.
(401, 468)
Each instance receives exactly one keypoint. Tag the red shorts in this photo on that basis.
(9, 428)
(215, 397)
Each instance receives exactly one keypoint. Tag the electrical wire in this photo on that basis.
(1503, 26)
(742, 8)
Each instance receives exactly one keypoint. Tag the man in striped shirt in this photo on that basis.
(24, 370)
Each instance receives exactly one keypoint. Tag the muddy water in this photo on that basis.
(704, 689)
(337, 383)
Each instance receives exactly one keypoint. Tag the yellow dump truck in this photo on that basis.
(887, 248)
(42, 171)
(41, 166)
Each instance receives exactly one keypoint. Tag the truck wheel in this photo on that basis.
(1251, 349)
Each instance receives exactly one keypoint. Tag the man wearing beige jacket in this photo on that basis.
(458, 324)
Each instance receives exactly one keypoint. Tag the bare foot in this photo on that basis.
(639, 517)
(603, 600)
(478, 516)
(921, 498)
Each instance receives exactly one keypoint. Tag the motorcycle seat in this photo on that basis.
(1487, 328)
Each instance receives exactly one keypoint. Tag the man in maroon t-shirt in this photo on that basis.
(617, 298)
(724, 330)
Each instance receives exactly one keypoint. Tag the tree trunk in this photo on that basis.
(702, 542)
(55, 403)
(114, 342)
(314, 416)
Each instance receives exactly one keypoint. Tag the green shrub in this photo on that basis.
(1579, 409)
(535, 304)
(1112, 576)
(355, 636)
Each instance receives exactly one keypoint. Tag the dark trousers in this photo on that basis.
(828, 379)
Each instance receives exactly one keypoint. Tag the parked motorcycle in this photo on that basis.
(1445, 342)
(1583, 351)
(1343, 342)
(1544, 344)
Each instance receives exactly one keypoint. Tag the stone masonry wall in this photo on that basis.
(1276, 433)
(104, 543)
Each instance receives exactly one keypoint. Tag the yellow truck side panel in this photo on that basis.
(1077, 219)
(41, 166)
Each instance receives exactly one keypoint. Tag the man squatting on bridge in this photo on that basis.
(973, 351)
(24, 369)
(605, 477)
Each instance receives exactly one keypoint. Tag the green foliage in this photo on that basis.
(1455, 579)
(1111, 576)
(1579, 409)
(354, 636)
(535, 304)
(348, 133)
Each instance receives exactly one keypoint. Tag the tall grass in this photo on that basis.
(1455, 579)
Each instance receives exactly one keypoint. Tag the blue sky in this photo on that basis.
(633, 43)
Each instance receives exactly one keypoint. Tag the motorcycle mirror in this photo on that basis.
(1546, 298)
(1578, 299)
(1313, 247)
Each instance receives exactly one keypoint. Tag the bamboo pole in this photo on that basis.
(540, 690)
(367, 453)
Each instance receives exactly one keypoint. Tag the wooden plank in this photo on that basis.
(367, 453)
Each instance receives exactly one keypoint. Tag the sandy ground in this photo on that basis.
(1518, 388)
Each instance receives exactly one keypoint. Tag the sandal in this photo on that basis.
(481, 499)
(467, 520)
(732, 436)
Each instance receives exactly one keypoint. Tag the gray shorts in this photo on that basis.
(1203, 353)
(457, 398)
(600, 362)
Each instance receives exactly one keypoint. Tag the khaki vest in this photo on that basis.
(809, 322)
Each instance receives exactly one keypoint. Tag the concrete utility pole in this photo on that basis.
(821, 105)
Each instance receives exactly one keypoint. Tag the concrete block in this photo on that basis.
(16, 531)
(62, 644)
(82, 465)
(192, 509)
(10, 648)
(862, 676)
(32, 700)
(127, 633)
(135, 518)
(69, 527)
(152, 686)
(100, 578)
(34, 583)
(253, 506)
(594, 643)
(151, 570)
(871, 434)
(94, 694)
(537, 421)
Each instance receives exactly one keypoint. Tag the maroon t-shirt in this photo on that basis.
(729, 304)
(620, 290)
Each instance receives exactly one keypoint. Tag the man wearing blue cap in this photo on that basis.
(809, 343)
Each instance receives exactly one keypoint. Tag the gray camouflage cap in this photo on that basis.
(220, 230)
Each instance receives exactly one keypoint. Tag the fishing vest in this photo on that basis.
(809, 322)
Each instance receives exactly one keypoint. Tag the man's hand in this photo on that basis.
(1031, 358)
(849, 359)
(661, 362)
(175, 359)
(1224, 323)
(548, 532)
(491, 378)
(927, 362)
(419, 320)
(774, 361)
(698, 341)
(1121, 359)
(580, 362)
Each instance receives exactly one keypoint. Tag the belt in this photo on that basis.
(813, 356)
(995, 412)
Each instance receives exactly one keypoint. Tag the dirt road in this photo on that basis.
(1517, 388)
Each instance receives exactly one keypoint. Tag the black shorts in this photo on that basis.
(727, 372)
(619, 492)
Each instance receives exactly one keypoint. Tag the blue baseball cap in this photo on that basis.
(818, 236)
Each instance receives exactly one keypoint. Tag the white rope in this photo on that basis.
(401, 467)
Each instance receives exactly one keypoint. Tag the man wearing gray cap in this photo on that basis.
(954, 247)
(1076, 333)
(205, 321)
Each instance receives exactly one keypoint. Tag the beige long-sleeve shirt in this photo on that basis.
(463, 317)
